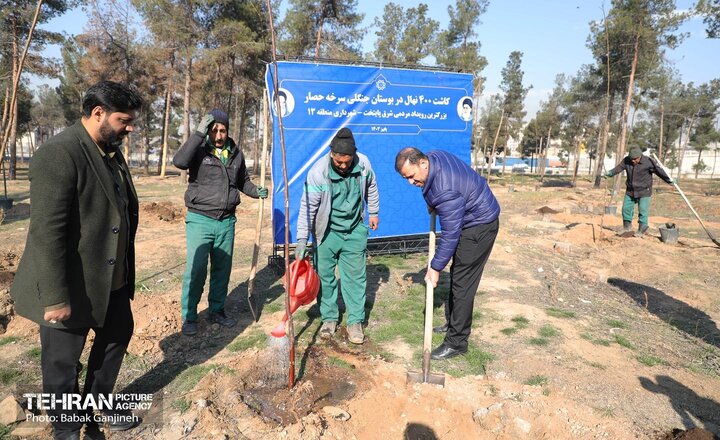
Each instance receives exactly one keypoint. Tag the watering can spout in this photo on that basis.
(303, 289)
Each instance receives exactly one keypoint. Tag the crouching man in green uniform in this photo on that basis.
(337, 189)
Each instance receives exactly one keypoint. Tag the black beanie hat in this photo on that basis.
(221, 117)
(343, 142)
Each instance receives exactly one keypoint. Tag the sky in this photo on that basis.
(551, 34)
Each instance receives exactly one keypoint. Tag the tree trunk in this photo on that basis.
(126, 151)
(6, 105)
(319, 35)
(32, 141)
(166, 128)
(17, 71)
(577, 161)
(484, 153)
(625, 111)
(712, 175)
(697, 165)
(602, 147)
(492, 152)
(166, 124)
(186, 110)
(544, 154)
(662, 129)
(146, 155)
(681, 153)
(12, 168)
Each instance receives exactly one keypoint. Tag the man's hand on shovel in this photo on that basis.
(432, 276)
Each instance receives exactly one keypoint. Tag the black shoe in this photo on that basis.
(74, 435)
(642, 229)
(221, 318)
(627, 226)
(93, 432)
(121, 421)
(189, 328)
(446, 352)
(441, 329)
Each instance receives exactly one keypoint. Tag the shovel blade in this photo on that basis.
(420, 377)
(252, 305)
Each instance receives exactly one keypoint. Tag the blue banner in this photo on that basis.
(387, 110)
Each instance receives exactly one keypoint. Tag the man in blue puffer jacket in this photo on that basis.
(468, 213)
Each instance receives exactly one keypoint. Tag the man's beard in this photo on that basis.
(110, 137)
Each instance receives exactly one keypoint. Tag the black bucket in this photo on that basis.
(669, 234)
(612, 210)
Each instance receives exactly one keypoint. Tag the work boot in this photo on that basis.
(355, 333)
(627, 226)
(642, 228)
(189, 328)
(221, 318)
(328, 329)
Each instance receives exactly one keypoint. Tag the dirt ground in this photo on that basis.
(591, 335)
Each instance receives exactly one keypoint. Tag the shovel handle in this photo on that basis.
(429, 291)
(687, 202)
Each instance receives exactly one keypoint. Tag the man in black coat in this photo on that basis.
(638, 186)
(216, 176)
(78, 269)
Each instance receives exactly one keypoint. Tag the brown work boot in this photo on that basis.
(328, 329)
(355, 333)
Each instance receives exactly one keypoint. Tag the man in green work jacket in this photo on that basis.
(216, 176)
(337, 188)
(78, 269)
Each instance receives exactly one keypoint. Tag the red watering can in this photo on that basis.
(304, 288)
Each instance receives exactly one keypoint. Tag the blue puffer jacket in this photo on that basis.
(461, 199)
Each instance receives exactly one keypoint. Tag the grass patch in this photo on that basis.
(187, 380)
(337, 362)
(243, 342)
(606, 412)
(559, 313)
(275, 306)
(5, 432)
(587, 336)
(391, 261)
(477, 316)
(614, 323)
(598, 365)
(548, 331)
(546, 392)
(8, 340)
(34, 353)
(539, 341)
(402, 318)
(650, 361)
(520, 321)
(537, 380)
(473, 362)
(181, 405)
(625, 342)
(9, 375)
(603, 342)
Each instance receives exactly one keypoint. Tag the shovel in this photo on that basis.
(687, 202)
(251, 298)
(426, 376)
